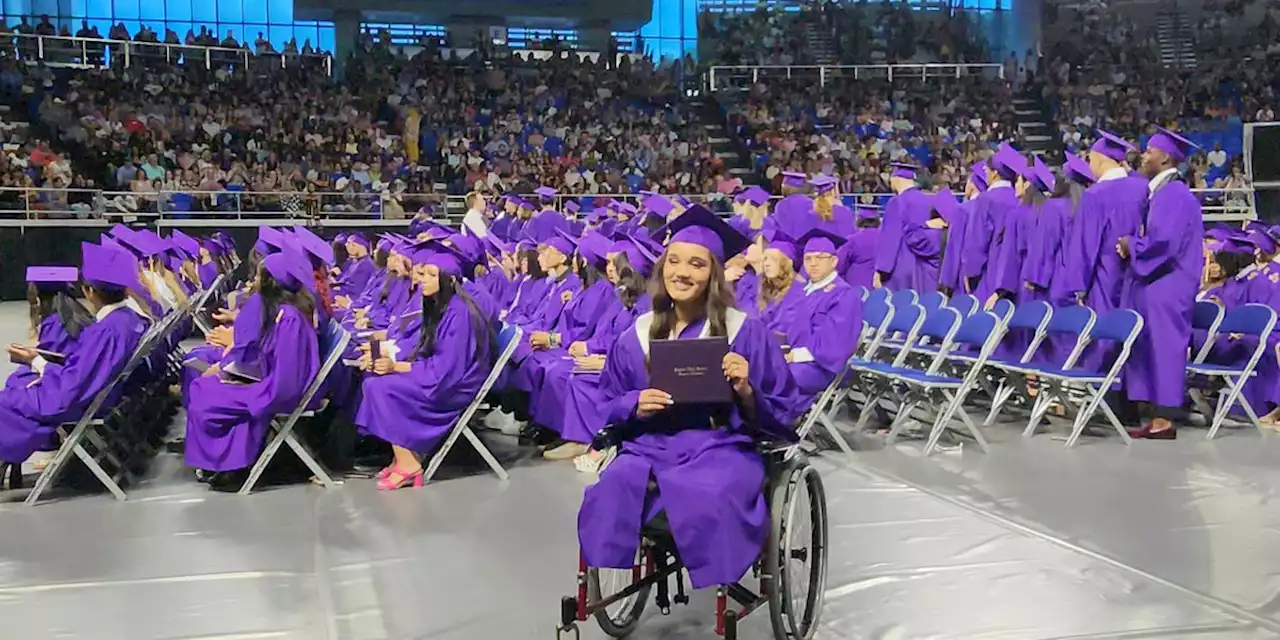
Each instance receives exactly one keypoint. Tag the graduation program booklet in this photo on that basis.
(240, 374)
(691, 371)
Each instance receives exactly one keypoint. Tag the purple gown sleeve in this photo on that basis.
(621, 380)
(100, 355)
(294, 361)
(1007, 264)
(1044, 248)
(827, 336)
(890, 243)
(1084, 247)
(776, 396)
(977, 239)
(922, 241)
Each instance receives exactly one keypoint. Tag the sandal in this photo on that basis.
(412, 477)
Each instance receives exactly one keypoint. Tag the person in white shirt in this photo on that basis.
(1217, 157)
(473, 221)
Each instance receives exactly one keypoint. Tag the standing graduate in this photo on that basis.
(950, 281)
(832, 215)
(857, 255)
(30, 414)
(1165, 261)
(926, 243)
(412, 403)
(1079, 177)
(909, 208)
(701, 458)
(822, 336)
(228, 416)
(57, 318)
(751, 209)
(1035, 184)
(984, 222)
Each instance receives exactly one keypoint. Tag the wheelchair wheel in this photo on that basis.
(796, 553)
(619, 619)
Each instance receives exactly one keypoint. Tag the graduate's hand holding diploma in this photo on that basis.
(737, 372)
(652, 401)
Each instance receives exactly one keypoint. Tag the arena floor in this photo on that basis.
(1162, 540)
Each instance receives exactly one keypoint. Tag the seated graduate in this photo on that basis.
(228, 415)
(574, 392)
(340, 258)
(412, 403)
(500, 276)
(562, 285)
(31, 413)
(702, 458)
(781, 287)
(359, 268)
(857, 256)
(213, 262)
(471, 251)
(184, 252)
(530, 286)
(822, 334)
(361, 299)
(742, 271)
(57, 318)
(391, 297)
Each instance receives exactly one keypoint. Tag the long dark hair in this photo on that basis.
(719, 297)
(532, 268)
(630, 283)
(433, 308)
(379, 257)
(587, 272)
(339, 251)
(48, 301)
(273, 295)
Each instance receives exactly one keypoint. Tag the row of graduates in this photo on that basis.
(1093, 232)
(86, 323)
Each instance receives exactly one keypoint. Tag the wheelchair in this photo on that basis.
(791, 570)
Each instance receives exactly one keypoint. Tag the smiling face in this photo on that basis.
(686, 271)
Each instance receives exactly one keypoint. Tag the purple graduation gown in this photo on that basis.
(208, 272)
(355, 276)
(579, 320)
(925, 247)
(1166, 262)
(708, 479)
(529, 294)
(779, 314)
(953, 250)
(1041, 268)
(583, 408)
(983, 235)
(415, 410)
(904, 211)
(541, 318)
(30, 415)
(856, 258)
(227, 422)
(820, 336)
(746, 289)
(52, 337)
(842, 222)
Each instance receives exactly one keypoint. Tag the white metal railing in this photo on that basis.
(28, 206)
(103, 51)
(727, 74)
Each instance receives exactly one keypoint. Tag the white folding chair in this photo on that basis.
(508, 340)
(1256, 322)
(1120, 326)
(332, 344)
(198, 305)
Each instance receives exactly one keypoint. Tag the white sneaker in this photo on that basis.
(494, 419)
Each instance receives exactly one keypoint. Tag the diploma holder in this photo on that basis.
(691, 371)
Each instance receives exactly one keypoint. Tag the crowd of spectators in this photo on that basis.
(399, 132)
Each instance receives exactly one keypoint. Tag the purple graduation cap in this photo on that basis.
(1077, 170)
(341, 237)
(108, 267)
(468, 246)
(904, 170)
(546, 193)
(144, 243)
(561, 241)
(658, 205)
(824, 184)
(495, 247)
(119, 231)
(1041, 175)
(313, 245)
(185, 242)
(819, 240)
(640, 255)
(359, 239)
(1007, 162)
(213, 247)
(699, 226)
(572, 207)
(1236, 244)
(594, 248)
(782, 243)
(753, 195)
(51, 275)
(270, 239)
(867, 213)
(1260, 239)
(442, 257)
(1172, 143)
(625, 208)
(978, 176)
(1112, 146)
(794, 179)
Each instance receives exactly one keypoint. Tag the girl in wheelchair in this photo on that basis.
(702, 460)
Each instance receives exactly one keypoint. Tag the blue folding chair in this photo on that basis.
(862, 292)
(878, 295)
(933, 300)
(333, 342)
(1003, 308)
(1252, 320)
(980, 332)
(508, 340)
(1120, 326)
(906, 321)
(1206, 317)
(965, 303)
(904, 298)
(1031, 317)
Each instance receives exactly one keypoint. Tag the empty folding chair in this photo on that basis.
(904, 298)
(1256, 322)
(980, 332)
(1032, 320)
(933, 300)
(862, 292)
(877, 295)
(332, 343)
(1120, 326)
(965, 303)
(906, 321)
(508, 339)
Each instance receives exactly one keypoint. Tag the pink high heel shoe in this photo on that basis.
(414, 478)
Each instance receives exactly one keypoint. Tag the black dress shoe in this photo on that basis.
(228, 481)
